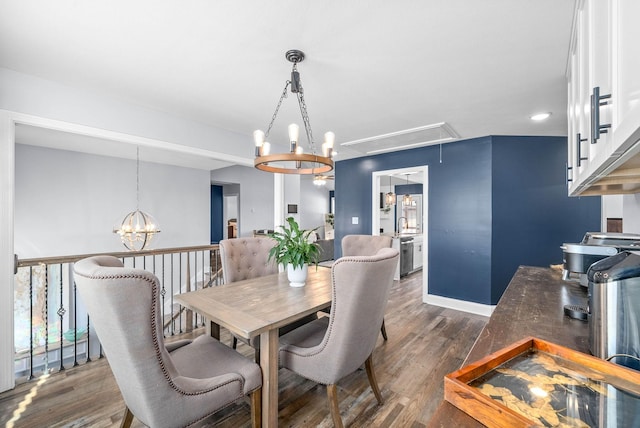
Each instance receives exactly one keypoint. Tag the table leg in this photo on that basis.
(269, 365)
(213, 329)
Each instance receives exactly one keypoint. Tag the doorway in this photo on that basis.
(230, 216)
(386, 217)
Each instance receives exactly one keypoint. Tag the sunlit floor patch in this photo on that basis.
(26, 401)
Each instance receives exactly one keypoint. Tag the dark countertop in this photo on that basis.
(532, 305)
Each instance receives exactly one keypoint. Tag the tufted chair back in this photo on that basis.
(246, 258)
(364, 245)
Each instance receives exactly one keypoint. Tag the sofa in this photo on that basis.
(326, 249)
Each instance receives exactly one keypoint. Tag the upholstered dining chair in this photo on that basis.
(366, 245)
(162, 385)
(329, 348)
(246, 258)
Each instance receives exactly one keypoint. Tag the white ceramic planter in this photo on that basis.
(297, 276)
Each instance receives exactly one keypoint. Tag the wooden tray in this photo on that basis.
(537, 383)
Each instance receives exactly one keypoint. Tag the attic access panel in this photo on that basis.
(405, 139)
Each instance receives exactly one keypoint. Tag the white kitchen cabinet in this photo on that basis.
(626, 73)
(604, 59)
(417, 252)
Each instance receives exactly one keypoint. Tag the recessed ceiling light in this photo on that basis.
(540, 116)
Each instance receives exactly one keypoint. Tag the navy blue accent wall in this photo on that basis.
(532, 214)
(216, 214)
(459, 211)
(480, 184)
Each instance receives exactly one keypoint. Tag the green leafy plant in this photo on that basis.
(293, 246)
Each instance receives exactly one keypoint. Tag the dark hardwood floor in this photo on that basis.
(425, 343)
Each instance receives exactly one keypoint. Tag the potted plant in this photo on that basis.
(295, 251)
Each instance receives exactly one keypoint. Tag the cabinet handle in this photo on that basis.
(569, 170)
(579, 140)
(596, 128)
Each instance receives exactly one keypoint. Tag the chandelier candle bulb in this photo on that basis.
(258, 138)
(329, 138)
(294, 133)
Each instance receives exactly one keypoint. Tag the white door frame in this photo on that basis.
(375, 214)
(7, 201)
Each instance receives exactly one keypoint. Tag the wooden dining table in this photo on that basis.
(259, 307)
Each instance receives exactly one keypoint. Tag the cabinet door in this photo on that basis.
(417, 255)
(600, 58)
(626, 72)
(579, 100)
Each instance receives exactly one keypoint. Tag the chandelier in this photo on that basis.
(319, 180)
(137, 228)
(296, 161)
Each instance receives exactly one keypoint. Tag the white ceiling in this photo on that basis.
(373, 67)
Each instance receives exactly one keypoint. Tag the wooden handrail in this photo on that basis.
(120, 254)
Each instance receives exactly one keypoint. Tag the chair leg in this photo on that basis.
(372, 379)
(127, 418)
(234, 345)
(332, 395)
(383, 330)
(256, 408)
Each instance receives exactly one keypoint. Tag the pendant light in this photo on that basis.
(390, 197)
(407, 199)
(138, 227)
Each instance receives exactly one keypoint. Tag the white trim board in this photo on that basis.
(7, 177)
(459, 305)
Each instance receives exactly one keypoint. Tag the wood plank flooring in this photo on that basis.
(425, 343)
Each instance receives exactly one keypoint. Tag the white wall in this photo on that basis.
(631, 213)
(68, 202)
(611, 208)
(314, 204)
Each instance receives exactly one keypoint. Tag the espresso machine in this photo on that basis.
(614, 309)
(594, 246)
(578, 257)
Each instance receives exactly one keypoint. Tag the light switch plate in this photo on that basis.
(354, 220)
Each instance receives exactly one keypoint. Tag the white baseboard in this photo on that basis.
(459, 305)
